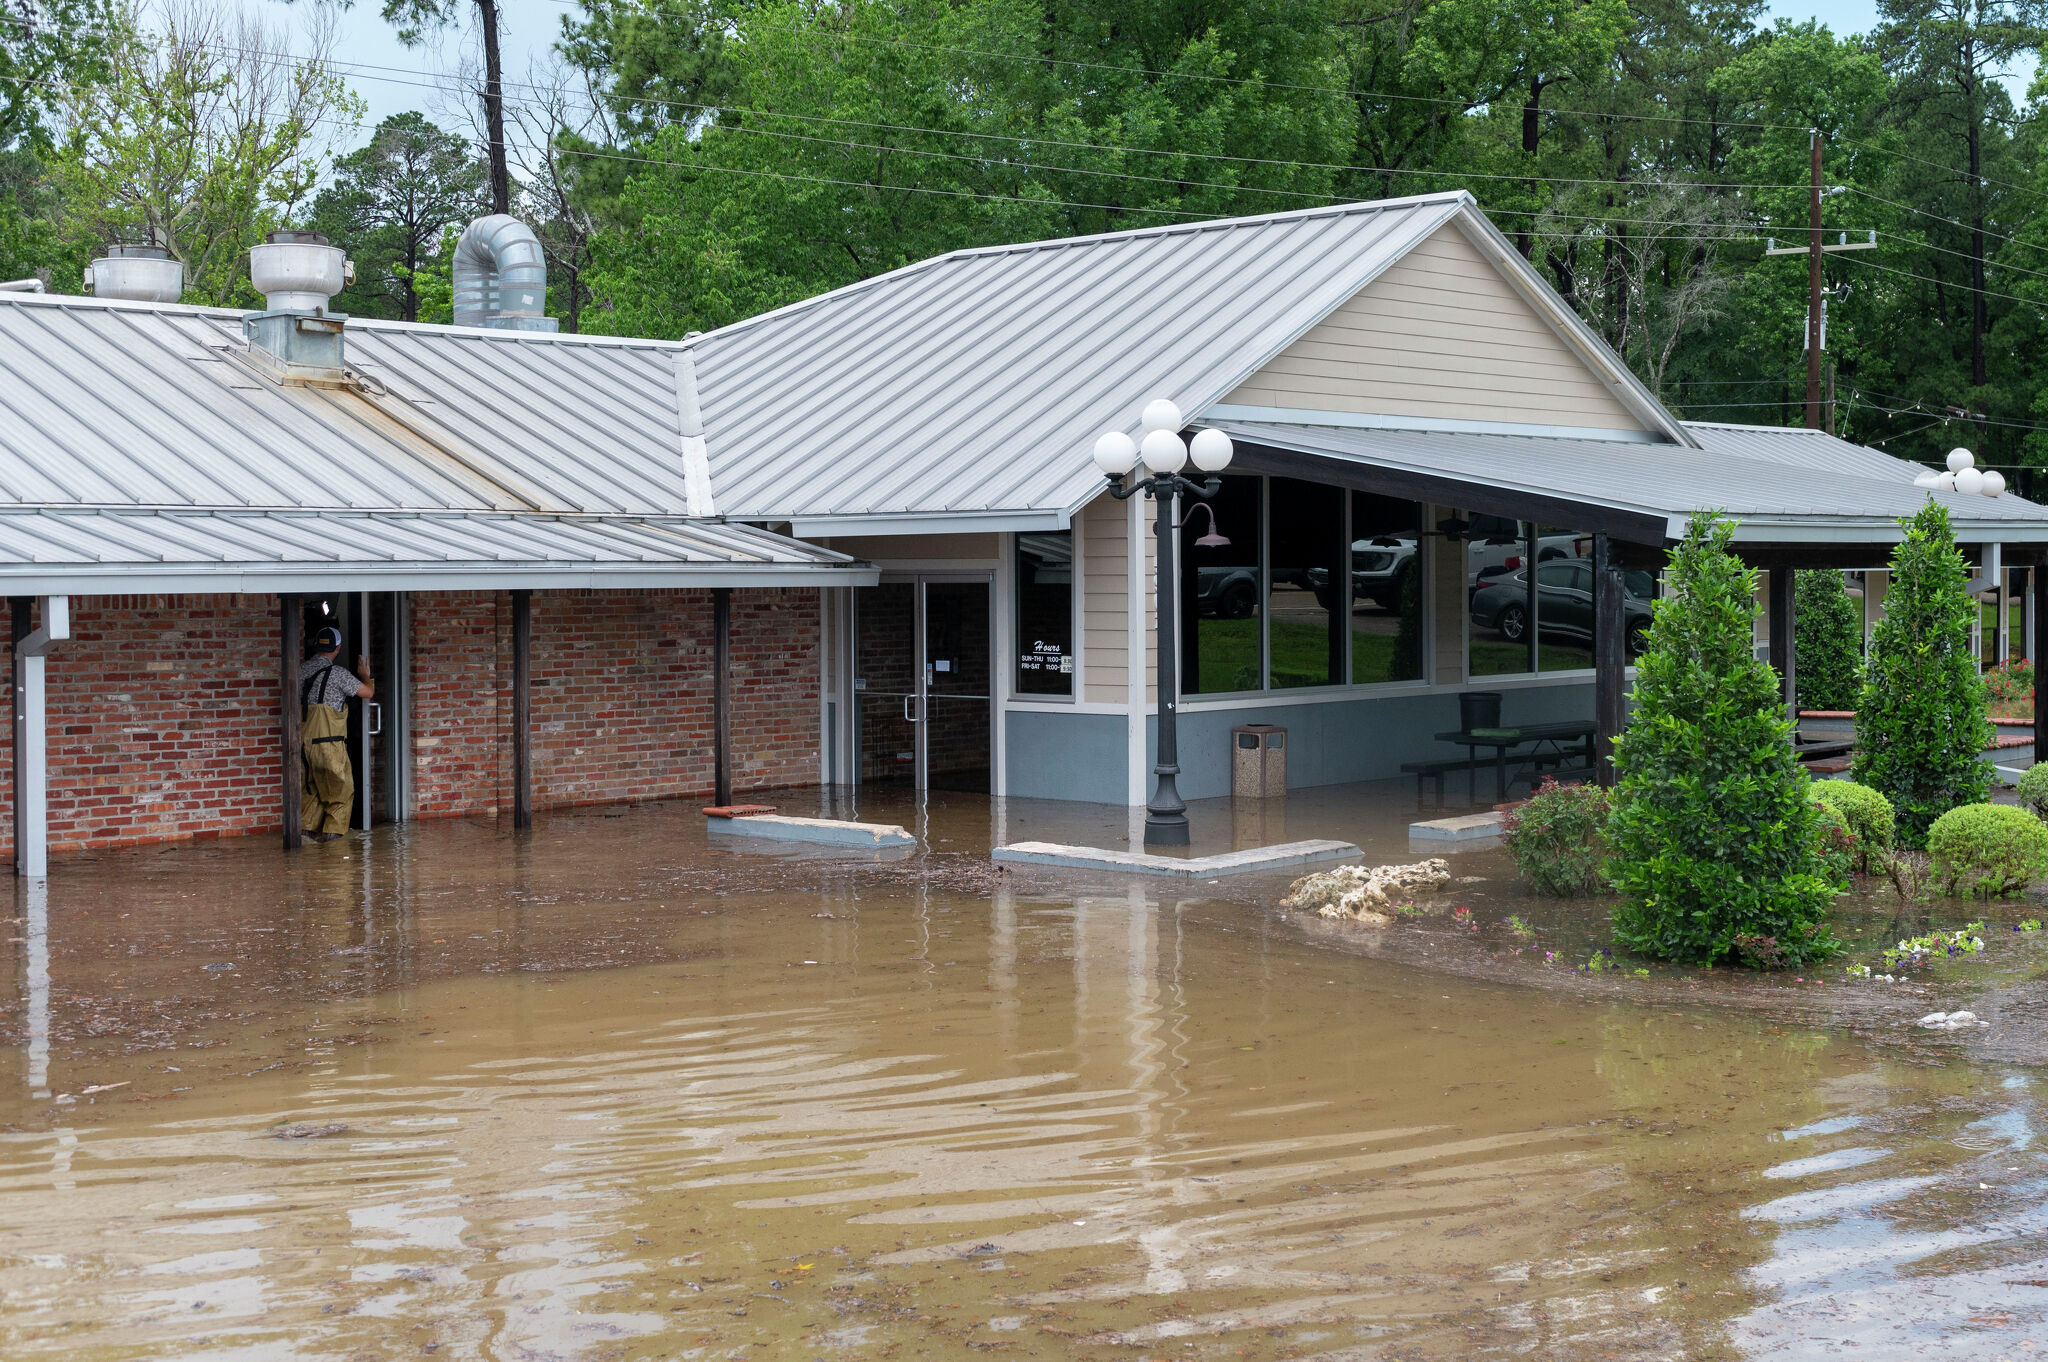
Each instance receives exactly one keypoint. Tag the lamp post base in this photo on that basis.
(1166, 829)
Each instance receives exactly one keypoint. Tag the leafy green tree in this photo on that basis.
(1714, 833)
(1827, 641)
(1920, 726)
(389, 203)
(205, 134)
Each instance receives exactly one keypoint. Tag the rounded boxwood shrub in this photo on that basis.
(2033, 789)
(1868, 814)
(1988, 851)
(1555, 838)
(1714, 840)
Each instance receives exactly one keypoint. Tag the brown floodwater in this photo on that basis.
(609, 1091)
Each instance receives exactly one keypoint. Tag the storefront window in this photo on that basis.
(1532, 598)
(1045, 613)
(1305, 584)
(1386, 590)
(1220, 591)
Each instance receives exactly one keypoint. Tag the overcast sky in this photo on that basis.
(530, 26)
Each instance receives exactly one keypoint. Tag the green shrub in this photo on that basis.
(1920, 726)
(1869, 815)
(1555, 838)
(2033, 789)
(1827, 641)
(1833, 841)
(1714, 829)
(1988, 851)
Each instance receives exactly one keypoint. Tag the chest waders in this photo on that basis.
(330, 793)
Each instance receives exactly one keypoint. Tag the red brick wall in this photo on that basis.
(162, 722)
(621, 696)
(163, 710)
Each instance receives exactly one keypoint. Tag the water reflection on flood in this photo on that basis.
(848, 1116)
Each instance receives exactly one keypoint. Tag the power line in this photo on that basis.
(1943, 283)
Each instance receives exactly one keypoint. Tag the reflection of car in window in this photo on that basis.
(1230, 593)
(1496, 545)
(1564, 603)
(1380, 572)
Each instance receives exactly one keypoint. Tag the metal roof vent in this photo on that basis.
(297, 340)
(501, 276)
(139, 274)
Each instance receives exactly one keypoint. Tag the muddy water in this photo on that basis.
(612, 1093)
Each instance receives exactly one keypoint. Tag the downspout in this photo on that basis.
(32, 808)
(501, 276)
(21, 286)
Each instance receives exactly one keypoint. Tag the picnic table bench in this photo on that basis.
(1557, 748)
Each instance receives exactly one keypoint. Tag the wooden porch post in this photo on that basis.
(291, 649)
(1610, 658)
(1783, 651)
(721, 691)
(522, 709)
(2037, 648)
(19, 610)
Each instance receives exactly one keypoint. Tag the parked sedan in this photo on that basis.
(1564, 600)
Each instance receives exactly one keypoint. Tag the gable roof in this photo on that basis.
(970, 388)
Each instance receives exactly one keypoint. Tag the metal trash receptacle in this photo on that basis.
(1258, 761)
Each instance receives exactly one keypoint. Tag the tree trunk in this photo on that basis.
(1532, 132)
(494, 107)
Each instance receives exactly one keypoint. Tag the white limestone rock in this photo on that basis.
(1950, 1021)
(1363, 893)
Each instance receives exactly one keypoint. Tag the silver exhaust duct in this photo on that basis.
(137, 274)
(501, 276)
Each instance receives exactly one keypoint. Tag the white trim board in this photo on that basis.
(1296, 416)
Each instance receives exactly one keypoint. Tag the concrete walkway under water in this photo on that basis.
(611, 1091)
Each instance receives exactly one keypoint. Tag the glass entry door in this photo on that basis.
(922, 667)
(371, 626)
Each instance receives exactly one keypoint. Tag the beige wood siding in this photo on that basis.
(1105, 600)
(1440, 334)
(1447, 604)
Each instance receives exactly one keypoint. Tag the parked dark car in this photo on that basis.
(1564, 599)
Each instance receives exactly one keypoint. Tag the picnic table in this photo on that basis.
(1545, 744)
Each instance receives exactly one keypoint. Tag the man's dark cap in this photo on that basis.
(330, 637)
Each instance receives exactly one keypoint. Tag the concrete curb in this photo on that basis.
(1471, 827)
(823, 831)
(1279, 857)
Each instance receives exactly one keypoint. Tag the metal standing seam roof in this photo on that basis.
(137, 441)
(974, 384)
(1782, 486)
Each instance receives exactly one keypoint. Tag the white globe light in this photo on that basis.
(1116, 454)
(1969, 482)
(1163, 452)
(1959, 459)
(1161, 414)
(1994, 482)
(1928, 479)
(1212, 450)
(1945, 482)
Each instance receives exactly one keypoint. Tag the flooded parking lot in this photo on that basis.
(613, 1092)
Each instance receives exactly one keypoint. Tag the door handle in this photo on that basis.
(376, 717)
(908, 717)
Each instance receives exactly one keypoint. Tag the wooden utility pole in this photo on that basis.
(1813, 287)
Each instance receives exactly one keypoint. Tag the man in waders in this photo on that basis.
(324, 689)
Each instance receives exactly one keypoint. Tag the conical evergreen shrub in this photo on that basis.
(1714, 838)
(1827, 629)
(1920, 726)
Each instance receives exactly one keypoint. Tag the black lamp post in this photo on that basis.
(1163, 454)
